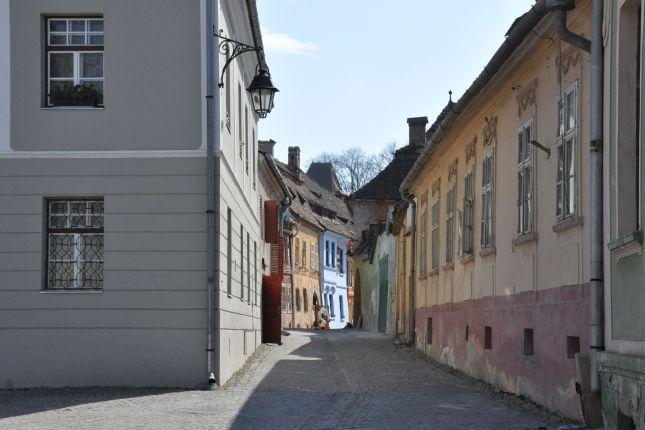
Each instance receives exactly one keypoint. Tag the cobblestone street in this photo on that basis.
(332, 380)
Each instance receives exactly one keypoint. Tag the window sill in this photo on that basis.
(525, 238)
(71, 291)
(447, 267)
(83, 108)
(488, 251)
(433, 273)
(467, 258)
(627, 245)
(568, 224)
(422, 277)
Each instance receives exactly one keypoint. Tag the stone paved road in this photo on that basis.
(333, 380)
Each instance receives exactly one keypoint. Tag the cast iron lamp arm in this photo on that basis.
(235, 49)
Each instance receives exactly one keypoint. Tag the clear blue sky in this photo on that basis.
(350, 72)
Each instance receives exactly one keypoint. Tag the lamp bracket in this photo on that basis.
(234, 49)
(538, 145)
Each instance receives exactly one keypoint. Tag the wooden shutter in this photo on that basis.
(271, 221)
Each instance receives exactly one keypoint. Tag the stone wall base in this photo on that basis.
(623, 391)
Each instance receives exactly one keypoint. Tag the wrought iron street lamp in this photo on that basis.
(261, 89)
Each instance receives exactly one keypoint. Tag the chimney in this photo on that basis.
(266, 146)
(294, 158)
(418, 130)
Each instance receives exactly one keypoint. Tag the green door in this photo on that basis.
(382, 295)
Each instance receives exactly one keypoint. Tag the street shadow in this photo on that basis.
(15, 403)
(354, 379)
(302, 390)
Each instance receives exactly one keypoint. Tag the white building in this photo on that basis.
(106, 265)
(333, 277)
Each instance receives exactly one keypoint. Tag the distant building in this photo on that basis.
(374, 254)
(275, 201)
(323, 219)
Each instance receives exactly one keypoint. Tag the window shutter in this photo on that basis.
(271, 221)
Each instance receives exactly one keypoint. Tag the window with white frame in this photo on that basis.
(566, 143)
(228, 92)
(422, 242)
(74, 62)
(434, 215)
(241, 261)
(341, 304)
(450, 225)
(246, 137)
(74, 244)
(524, 180)
(340, 260)
(248, 267)
(297, 251)
(326, 253)
(469, 205)
(240, 119)
(486, 239)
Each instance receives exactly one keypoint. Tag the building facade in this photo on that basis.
(374, 254)
(320, 218)
(622, 364)
(306, 273)
(498, 276)
(103, 224)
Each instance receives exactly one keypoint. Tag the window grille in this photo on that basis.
(75, 244)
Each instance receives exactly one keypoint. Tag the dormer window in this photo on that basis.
(74, 62)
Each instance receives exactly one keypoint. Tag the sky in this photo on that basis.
(350, 72)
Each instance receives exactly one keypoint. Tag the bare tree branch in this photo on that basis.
(355, 168)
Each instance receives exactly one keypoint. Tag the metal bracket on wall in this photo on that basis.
(233, 49)
(541, 147)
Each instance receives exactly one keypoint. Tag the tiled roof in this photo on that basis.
(440, 117)
(315, 204)
(385, 185)
(324, 175)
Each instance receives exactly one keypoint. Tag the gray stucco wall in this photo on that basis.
(147, 327)
(152, 78)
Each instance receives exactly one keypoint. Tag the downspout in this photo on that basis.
(413, 258)
(597, 341)
(212, 189)
(595, 46)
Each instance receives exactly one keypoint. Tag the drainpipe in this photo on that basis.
(596, 178)
(411, 311)
(212, 189)
(595, 46)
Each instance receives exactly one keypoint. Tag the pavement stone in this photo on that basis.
(344, 379)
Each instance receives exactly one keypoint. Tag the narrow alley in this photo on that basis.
(329, 380)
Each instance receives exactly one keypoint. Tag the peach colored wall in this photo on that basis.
(305, 277)
(554, 259)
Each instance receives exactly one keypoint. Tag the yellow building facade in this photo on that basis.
(306, 276)
(500, 267)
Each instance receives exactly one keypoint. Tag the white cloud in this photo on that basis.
(283, 43)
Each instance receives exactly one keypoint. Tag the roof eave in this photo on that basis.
(515, 37)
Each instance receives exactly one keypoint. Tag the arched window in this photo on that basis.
(305, 300)
(298, 300)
